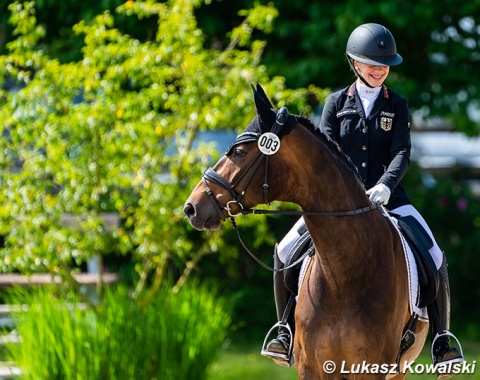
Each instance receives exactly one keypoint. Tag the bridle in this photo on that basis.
(235, 207)
(236, 203)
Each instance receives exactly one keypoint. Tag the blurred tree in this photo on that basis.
(438, 40)
(58, 18)
(453, 214)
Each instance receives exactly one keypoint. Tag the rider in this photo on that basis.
(371, 125)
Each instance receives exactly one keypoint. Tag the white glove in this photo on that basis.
(379, 194)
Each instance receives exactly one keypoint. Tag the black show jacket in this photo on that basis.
(379, 146)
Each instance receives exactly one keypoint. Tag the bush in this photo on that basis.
(453, 214)
(176, 336)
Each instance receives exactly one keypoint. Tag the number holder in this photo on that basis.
(269, 143)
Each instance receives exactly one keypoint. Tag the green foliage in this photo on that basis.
(438, 40)
(453, 214)
(57, 19)
(113, 132)
(177, 336)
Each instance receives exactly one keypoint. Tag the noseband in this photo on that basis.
(235, 206)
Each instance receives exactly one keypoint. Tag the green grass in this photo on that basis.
(246, 363)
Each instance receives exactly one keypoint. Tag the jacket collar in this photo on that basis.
(352, 90)
(354, 101)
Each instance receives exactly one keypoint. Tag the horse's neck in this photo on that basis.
(341, 242)
(346, 247)
(328, 181)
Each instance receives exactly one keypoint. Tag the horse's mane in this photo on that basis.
(330, 144)
(257, 127)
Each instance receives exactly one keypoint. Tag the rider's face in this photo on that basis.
(374, 75)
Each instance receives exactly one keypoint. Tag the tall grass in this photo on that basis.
(176, 336)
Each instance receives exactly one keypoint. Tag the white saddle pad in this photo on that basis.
(303, 272)
(412, 272)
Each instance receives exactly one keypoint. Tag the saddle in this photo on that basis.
(300, 247)
(420, 244)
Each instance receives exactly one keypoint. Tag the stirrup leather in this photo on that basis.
(280, 359)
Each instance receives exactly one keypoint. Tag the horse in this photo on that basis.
(352, 306)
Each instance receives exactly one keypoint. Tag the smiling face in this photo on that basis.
(374, 75)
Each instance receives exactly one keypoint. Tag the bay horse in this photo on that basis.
(353, 304)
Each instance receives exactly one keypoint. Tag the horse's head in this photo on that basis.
(243, 177)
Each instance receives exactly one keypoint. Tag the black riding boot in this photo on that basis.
(280, 348)
(442, 353)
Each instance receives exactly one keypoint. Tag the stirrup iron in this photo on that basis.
(446, 333)
(280, 359)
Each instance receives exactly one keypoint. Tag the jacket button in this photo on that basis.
(364, 147)
(364, 164)
(364, 130)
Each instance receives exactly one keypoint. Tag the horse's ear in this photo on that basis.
(264, 96)
(263, 106)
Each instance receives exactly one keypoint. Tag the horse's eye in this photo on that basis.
(239, 152)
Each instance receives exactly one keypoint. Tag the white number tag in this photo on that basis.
(269, 143)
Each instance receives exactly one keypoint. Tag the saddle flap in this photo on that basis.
(415, 231)
(299, 247)
(420, 243)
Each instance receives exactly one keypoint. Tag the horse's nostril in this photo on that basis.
(189, 210)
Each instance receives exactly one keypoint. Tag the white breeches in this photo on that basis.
(292, 235)
(288, 240)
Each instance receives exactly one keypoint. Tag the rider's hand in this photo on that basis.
(379, 194)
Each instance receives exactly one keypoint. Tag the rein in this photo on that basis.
(309, 252)
(235, 207)
(253, 211)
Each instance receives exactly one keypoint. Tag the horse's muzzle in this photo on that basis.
(207, 219)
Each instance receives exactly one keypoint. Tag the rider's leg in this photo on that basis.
(442, 351)
(289, 240)
(281, 343)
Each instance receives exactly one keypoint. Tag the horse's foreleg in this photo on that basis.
(304, 371)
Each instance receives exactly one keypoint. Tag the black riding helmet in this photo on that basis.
(372, 44)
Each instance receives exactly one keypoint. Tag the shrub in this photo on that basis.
(176, 336)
